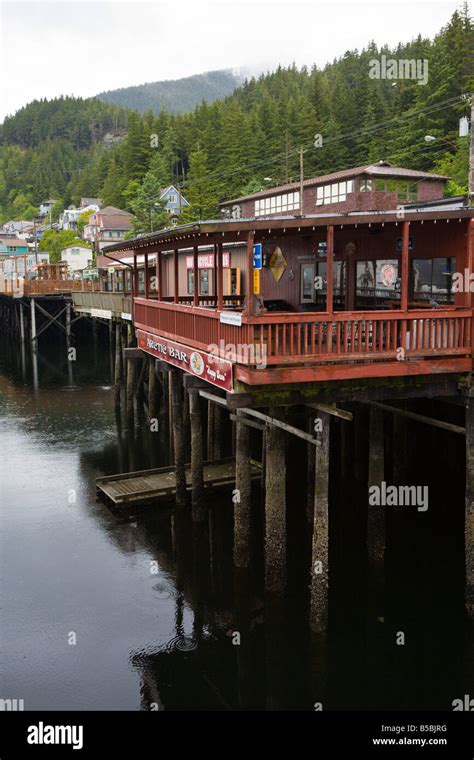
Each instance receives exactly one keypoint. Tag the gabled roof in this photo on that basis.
(380, 169)
(172, 187)
(112, 210)
(76, 245)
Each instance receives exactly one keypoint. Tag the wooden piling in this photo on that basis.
(68, 322)
(320, 549)
(33, 324)
(152, 405)
(242, 495)
(275, 508)
(197, 479)
(469, 510)
(22, 322)
(214, 431)
(178, 438)
(131, 371)
(376, 514)
(118, 363)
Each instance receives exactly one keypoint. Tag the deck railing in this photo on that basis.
(18, 286)
(295, 338)
(117, 303)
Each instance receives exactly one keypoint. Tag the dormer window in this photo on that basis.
(366, 186)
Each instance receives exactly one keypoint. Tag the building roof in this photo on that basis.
(116, 222)
(310, 222)
(76, 245)
(380, 169)
(90, 202)
(172, 187)
(112, 210)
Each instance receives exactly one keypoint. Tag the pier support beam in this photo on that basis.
(152, 406)
(376, 514)
(242, 499)
(22, 322)
(68, 323)
(33, 324)
(118, 363)
(178, 438)
(469, 510)
(320, 551)
(214, 431)
(197, 470)
(131, 373)
(275, 508)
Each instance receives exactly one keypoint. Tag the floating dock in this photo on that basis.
(146, 486)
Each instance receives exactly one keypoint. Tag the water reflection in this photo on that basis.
(162, 620)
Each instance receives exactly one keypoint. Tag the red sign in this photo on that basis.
(206, 261)
(211, 368)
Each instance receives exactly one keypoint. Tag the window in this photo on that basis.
(190, 274)
(406, 191)
(307, 283)
(335, 193)
(311, 288)
(277, 204)
(366, 186)
(376, 282)
(432, 279)
(204, 282)
(172, 199)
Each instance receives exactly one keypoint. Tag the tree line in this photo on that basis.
(248, 140)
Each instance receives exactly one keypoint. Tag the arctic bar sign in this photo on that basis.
(209, 367)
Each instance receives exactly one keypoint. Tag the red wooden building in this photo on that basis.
(359, 295)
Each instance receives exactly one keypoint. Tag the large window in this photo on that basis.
(431, 279)
(313, 281)
(406, 191)
(277, 204)
(334, 193)
(376, 282)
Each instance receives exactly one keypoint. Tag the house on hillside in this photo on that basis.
(107, 226)
(77, 257)
(373, 187)
(175, 201)
(70, 216)
(85, 203)
(23, 228)
(46, 206)
(12, 246)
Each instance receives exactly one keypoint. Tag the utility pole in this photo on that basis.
(301, 152)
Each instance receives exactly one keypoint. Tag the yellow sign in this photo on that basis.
(277, 263)
(256, 282)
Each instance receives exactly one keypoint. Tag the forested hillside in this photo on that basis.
(176, 96)
(233, 145)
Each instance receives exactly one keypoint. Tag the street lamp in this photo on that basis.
(432, 138)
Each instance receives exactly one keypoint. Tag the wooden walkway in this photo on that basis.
(133, 488)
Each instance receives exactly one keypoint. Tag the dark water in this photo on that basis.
(71, 571)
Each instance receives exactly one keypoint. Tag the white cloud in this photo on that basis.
(54, 48)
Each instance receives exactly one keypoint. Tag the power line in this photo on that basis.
(339, 138)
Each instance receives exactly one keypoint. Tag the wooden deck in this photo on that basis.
(143, 487)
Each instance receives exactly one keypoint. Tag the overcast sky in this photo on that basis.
(82, 48)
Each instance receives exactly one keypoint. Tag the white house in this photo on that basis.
(46, 206)
(77, 257)
(70, 216)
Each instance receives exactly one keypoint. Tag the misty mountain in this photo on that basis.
(177, 96)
